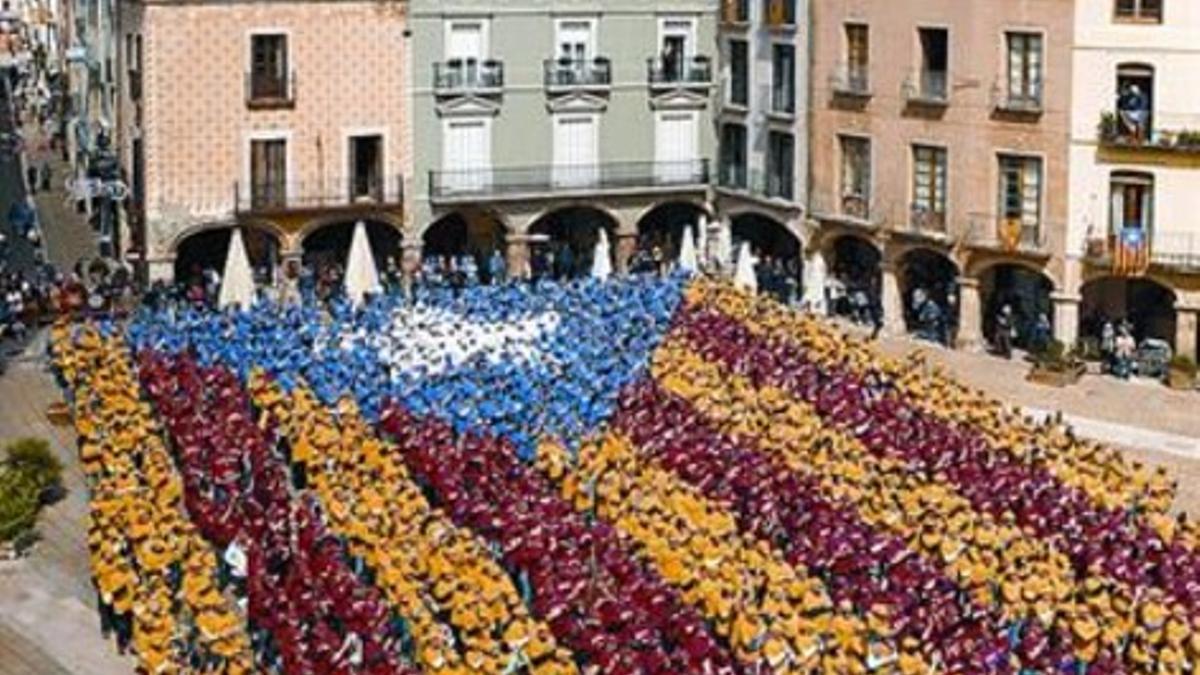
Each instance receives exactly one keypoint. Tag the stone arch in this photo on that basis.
(470, 233)
(927, 275)
(1024, 287)
(328, 241)
(780, 252)
(855, 263)
(563, 240)
(662, 225)
(394, 221)
(206, 247)
(1146, 303)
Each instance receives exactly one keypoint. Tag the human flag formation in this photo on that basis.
(1132, 257)
(633, 476)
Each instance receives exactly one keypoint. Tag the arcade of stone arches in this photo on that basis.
(923, 290)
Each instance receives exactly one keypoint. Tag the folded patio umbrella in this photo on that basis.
(237, 282)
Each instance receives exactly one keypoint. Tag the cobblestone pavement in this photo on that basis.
(48, 618)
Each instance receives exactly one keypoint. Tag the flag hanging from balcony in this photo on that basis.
(1132, 255)
(1009, 233)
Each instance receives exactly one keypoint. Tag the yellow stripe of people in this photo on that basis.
(771, 613)
(1023, 576)
(429, 568)
(138, 529)
(1100, 472)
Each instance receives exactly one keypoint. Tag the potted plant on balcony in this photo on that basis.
(1188, 139)
(1108, 126)
(1181, 374)
(1056, 366)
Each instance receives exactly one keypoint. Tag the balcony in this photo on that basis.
(926, 222)
(1007, 234)
(927, 88)
(460, 77)
(1022, 100)
(1170, 251)
(1167, 133)
(684, 73)
(568, 75)
(850, 81)
(854, 210)
(265, 91)
(533, 182)
(355, 193)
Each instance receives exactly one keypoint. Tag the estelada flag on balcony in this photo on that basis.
(1008, 231)
(1132, 254)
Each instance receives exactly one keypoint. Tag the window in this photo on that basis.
(1135, 102)
(366, 167)
(1139, 10)
(268, 67)
(1024, 69)
(858, 56)
(1021, 191)
(1132, 205)
(780, 160)
(780, 12)
(856, 175)
(935, 62)
(733, 156)
(735, 11)
(739, 72)
(268, 173)
(783, 82)
(929, 185)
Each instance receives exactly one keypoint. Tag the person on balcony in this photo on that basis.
(1134, 110)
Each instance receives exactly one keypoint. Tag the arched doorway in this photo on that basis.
(856, 277)
(1146, 305)
(466, 241)
(207, 250)
(328, 245)
(662, 229)
(564, 242)
(929, 289)
(1027, 293)
(780, 264)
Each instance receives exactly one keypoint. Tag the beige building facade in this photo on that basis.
(938, 158)
(287, 119)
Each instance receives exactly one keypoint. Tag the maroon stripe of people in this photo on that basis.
(595, 596)
(300, 589)
(993, 481)
(859, 565)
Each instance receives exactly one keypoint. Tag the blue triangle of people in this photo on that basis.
(517, 360)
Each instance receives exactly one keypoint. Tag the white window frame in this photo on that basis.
(593, 33)
(689, 34)
(485, 34)
(248, 156)
(385, 163)
(578, 174)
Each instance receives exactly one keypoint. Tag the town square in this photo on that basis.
(599, 336)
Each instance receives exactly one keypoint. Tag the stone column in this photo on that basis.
(1186, 319)
(970, 315)
(1066, 317)
(160, 269)
(893, 301)
(626, 246)
(516, 256)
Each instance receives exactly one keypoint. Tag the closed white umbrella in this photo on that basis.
(744, 276)
(687, 251)
(361, 275)
(601, 259)
(702, 240)
(724, 246)
(237, 282)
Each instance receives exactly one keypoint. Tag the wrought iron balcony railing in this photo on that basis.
(267, 90)
(460, 76)
(923, 219)
(850, 80)
(1008, 233)
(927, 87)
(573, 74)
(547, 180)
(316, 195)
(680, 72)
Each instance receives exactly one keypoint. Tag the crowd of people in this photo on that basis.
(663, 474)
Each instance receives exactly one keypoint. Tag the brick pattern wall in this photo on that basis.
(349, 65)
